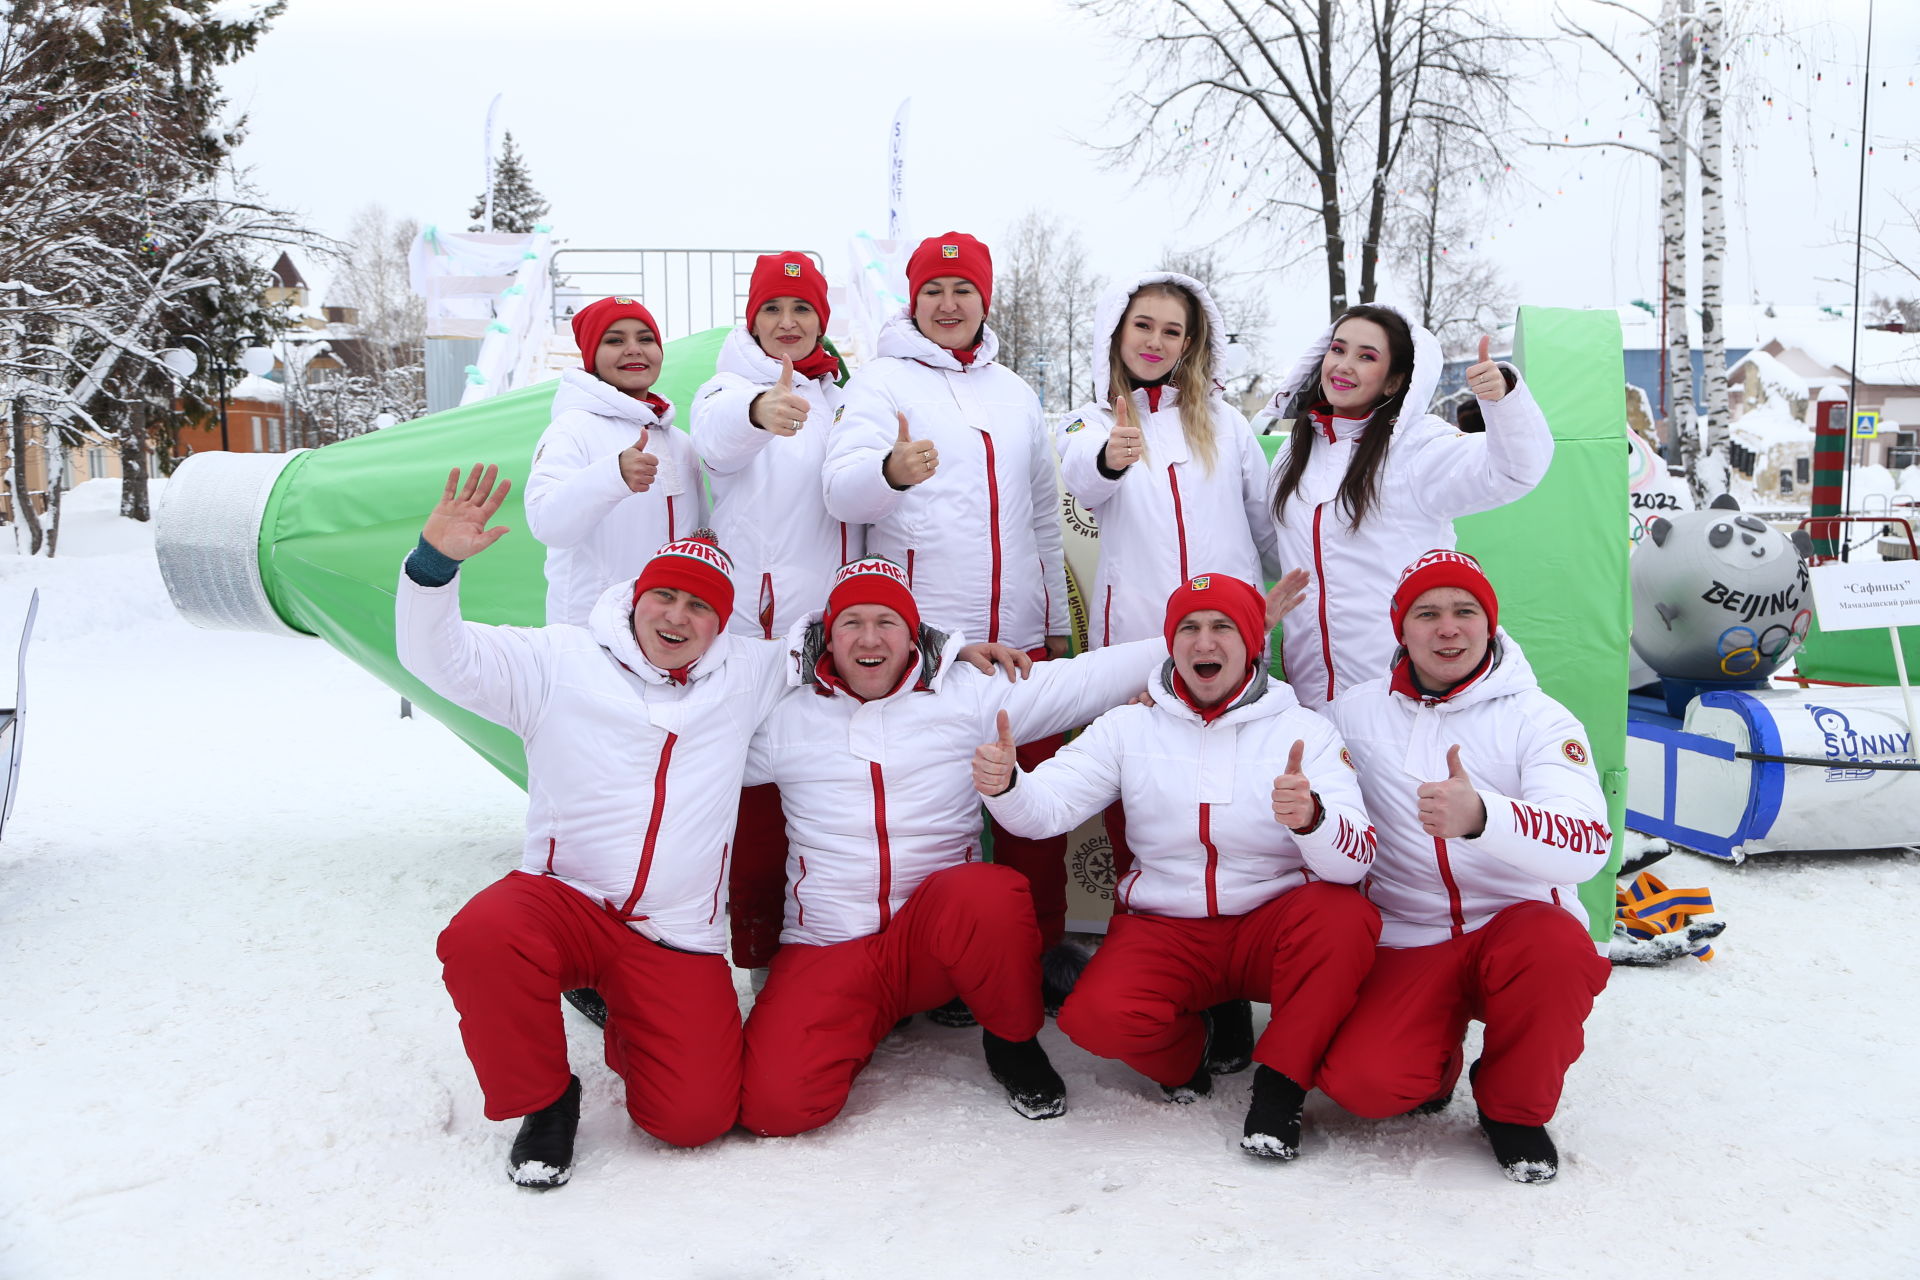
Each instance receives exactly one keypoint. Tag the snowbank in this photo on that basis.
(229, 1055)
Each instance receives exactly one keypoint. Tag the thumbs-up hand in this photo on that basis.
(910, 461)
(781, 410)
(1286, 596)
(1452, 807)
(993, 762)
(637, 466)
(1125, 443)
(1486, 379)
(1294, 804)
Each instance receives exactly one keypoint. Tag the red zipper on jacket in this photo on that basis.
(1179, 520)
(766, 606)
(1453, 889)
(1320, 585)
(549, 855)
(843, 542)
(993, 534)
(670, 537)
(1106, 619)
(1213, 859)
(886, 853)
(653, 826)
(800, 907)
(713, 915)
(909, 567)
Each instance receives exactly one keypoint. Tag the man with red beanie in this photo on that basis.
(636, 728)
(611, 479)
(889, 910)
(943, 454)
(760, 428)
(1490, 815)
(1248, 834)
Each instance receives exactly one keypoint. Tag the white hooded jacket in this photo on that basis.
(596, 530)
(879, 795)
(633, 781)
(980, 540)
(1199, 799)
(1168, 516)
(1432, 473)
(1528, 758)
(768, 510)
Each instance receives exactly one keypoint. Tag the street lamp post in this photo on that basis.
(255, 359)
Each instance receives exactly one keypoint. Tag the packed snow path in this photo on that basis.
(228, 1052)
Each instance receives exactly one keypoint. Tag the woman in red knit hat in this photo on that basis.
(760, 428)
(943, 454)
(610, 480)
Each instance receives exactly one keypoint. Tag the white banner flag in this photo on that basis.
(897, 175)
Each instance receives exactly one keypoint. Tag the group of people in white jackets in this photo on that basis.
(786, 719)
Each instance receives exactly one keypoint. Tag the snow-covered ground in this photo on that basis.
(227, 1051)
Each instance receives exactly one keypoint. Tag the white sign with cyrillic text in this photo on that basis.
(1873, 593)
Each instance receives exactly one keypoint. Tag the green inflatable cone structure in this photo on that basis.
(311, 543)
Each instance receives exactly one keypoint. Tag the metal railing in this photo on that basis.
(687, 290)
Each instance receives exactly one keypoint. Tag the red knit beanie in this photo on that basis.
(591, 323)
(1443, 569)
(786, 275)
(1238, 600)
(953, 254)
(874, 580)
(695, 565)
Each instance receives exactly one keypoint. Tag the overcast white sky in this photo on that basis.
(759, 125)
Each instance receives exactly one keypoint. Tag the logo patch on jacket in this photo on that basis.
(949, 250)
(1346, 758)
(838, 411)
(1076, 425)
(1574, 750)
(793, 269)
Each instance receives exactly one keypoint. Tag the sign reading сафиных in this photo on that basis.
(1884, 593)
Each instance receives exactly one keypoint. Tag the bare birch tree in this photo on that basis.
(1298, 112)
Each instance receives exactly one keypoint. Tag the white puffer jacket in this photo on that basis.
(596, 530)
(1433, 472)
(1168, 516)
(1199, 800)
(767, 505)
(1527, 756)
(632, 781)
(879, 795)
(981, 540)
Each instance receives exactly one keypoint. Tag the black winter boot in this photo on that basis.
(1060, 968)
(1232, 1047)
(954, 1013)
(1525, 1152)
(1034, 1088)
(542, 1154)
(589, 1003)
(1272, 1130)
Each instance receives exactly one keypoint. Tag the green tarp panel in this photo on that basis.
(340, 519)
(1558, 556)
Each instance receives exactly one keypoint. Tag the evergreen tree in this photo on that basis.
(517, 204)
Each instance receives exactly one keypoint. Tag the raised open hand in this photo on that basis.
(457, 526)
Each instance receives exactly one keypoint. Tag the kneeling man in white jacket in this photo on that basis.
(636, 729)
(889, 910)
(1248, 835)
(1490, 815)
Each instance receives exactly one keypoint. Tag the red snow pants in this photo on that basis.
(673, 1031)
(966, 931)
(1042, 862)
(1305, 953)
(757, 877)
(1530, 974)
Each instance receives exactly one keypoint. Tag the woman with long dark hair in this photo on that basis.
(1370, 480)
